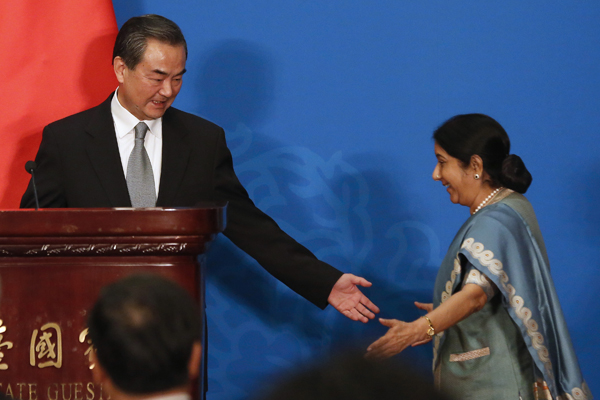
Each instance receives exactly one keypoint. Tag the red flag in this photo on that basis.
(56, 59)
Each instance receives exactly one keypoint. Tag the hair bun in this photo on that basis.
(515, 175)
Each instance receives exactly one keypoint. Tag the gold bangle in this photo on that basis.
(431, 329)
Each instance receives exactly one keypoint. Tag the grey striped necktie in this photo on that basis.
(140, 178)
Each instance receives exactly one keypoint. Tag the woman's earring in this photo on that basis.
(476, 176)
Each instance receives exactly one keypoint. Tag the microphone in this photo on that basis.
(30, 166)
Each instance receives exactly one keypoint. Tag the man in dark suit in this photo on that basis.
(84, 161)
(147, 339)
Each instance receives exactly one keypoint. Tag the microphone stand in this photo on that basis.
(30, 166)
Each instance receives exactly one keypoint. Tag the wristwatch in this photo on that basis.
(431, 329)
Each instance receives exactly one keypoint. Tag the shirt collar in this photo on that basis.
(125, 121)
(175, 396)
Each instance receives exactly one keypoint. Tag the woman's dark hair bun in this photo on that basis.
(515, 175)
(466, 135)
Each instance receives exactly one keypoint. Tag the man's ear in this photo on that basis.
(194, 363)
(98, 373)
(100, 376)
(119, 67)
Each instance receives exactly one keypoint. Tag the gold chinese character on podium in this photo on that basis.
(47, 348)
(88, 352)
(8, 345)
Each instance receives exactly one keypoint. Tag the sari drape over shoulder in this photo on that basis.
(503, 241)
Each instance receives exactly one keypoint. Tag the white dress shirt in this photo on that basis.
(176, 396)
(125, 123)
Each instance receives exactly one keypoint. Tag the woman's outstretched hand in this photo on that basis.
(399, 336)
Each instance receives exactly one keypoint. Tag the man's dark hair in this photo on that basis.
(143, 328)
(134, 34)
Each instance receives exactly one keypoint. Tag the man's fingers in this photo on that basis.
(365, 311)
(362, 282)
(360, 316)
(355, 315)
(369, 304)
(359, 281)
(350, 314)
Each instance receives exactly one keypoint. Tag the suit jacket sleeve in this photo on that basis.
(79, 166)
(260, 237)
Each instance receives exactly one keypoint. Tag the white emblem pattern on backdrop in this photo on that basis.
(252, 335)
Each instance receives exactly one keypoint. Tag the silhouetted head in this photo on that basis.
(351, 377)
(145, 329)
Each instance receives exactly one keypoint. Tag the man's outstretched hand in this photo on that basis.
(349, 300)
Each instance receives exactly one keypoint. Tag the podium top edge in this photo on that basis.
(199, 206)
(203, 219)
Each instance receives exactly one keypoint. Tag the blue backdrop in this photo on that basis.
(329, 107)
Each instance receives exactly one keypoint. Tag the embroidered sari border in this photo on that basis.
(495, 266)
(470, 355)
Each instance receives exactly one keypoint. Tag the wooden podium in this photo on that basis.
(53, 263)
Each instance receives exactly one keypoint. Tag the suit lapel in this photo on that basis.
(103, 151)
(175, 155)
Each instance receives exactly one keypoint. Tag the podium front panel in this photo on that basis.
(54, 263)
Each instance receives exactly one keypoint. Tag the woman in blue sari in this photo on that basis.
(498, 329)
